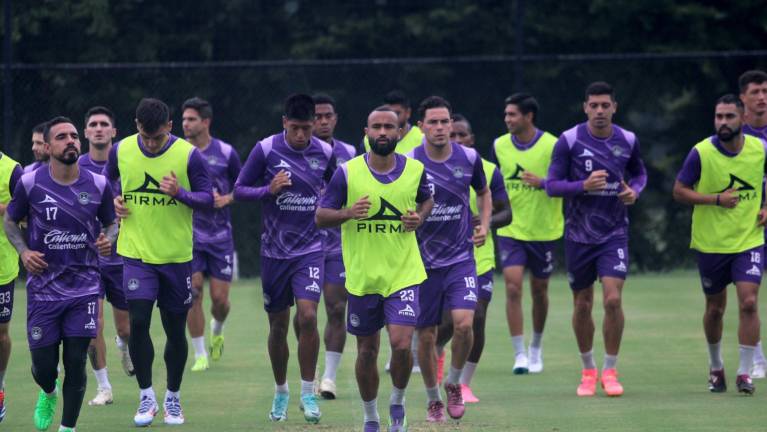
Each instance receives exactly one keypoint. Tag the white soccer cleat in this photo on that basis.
(536, 360)
(103, 397)
(521, 365)
(147, 409)
(327, 389)
(174, 415)
(758, 370)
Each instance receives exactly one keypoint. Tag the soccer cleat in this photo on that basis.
(371, 426)
(716, 381)
(610, 383)
(66, 429)
(147, 409)
(327, 389)
(468, 395)
(588, 386)
(174, 415)
(216, 347)
(536, 360)
(310, 408)
(279, 410)
(435, 413)
(397, 418)
(2, 404)
(440, 368)
(103, 397)
(200, 364)
(744, 384)
(758, 370)
(520, 364)
(455, 406)
(125, 359)
(46, 406)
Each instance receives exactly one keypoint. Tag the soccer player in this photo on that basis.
(325, 122)
(213, 241)
(163, 179)
(484, 257)
(379, 199)
(66, 208)
(753, 94)
(100, 131)
(721, 178)
(287, 171)
(411, 136)
(588, 165)
(38, 149)
(524, 156)
(445, 240)
(10, 173)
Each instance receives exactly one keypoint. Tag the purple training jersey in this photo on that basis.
(331, 241)
(755, 131)
(97, 167)
(595, 217)
(214, 225)
(289, 230)
(64, 222)
(445, 236)
(34, 165)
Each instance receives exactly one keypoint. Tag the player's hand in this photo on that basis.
(411, 220)
(596, 181)
(169, 184)
(532, 179)
(627, 196)
(729, 198)
(121, 210)
(221, 201)
(475, 221)
(360, 209)
(762, 217)
(33, 261)
(279, 182)
(480, 236)
(103, 245)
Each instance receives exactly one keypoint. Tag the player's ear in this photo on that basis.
(585, 105)
(114, 132)
(284, 123)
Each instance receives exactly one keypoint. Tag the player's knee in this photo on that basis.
(219, 299)
(748, 305)
(367, 354)
(307, 320)
(540, 295)
(583, 306)
(5, 338)
(513, 292)
(715, 312)
(612, 303)
(462, 328)
(336, 312)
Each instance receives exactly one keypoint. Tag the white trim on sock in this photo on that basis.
(468, 373)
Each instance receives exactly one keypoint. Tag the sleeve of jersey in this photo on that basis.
(478, 180)
(245, 188)
(557, 184)
(111, 170)
(331, 169)
(235, 166)
(106, 212)
(18, 207)
(424, 193)
(690, 172)
(636, 170)
(16, 174)
(200, 196)
(497, 188)
(336, 191)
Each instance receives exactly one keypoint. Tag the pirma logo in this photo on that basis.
(471, 296)
(91, 325)
(387, 212)
(737, 183)
(150, 186)
(517, 174)
(407, 311)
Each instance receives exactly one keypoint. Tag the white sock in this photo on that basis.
(397, 396)
(453, 375)
(610, 362)
(746, 359)
(587, 359)
(122, 345)
(199, 347)
(169, 394)
(433, 394)
(759, 354)
(537, 340)
(281, 388)
(148, 392)
(468, 373)
(2, 379)
(216, 327)
(371, 411)
(414, 349)
(332, 359)
(103, 379)
(307, 387)
(519, 344)
(715, 356)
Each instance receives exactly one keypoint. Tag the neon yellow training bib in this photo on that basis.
(9, 258)
(485, 254)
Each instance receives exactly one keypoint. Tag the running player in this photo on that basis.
(721, 178)
(287, 171)
(162, 178)
(100, 131)
(213, 241)
(325, 122)
(66, 208)
(445, 240)
(411, 136)
(587, 168)
(38, 149)
(524, 156)
(485, 260)
(753, 94)
(379, 199)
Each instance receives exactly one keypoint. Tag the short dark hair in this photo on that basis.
(433, 102)
(39, 128)
(200, 105)
(323, 98)
(751, 77)
(396, 97)
(152, 114)
(53, 122)
(100, 110)
(461, 118)
(299, 107)
(599, 88)
(730, 99)
(525, 103)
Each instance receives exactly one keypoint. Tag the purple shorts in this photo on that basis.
(719, 270)
(50, 321)
(485, 282)
(585, 262)
(6, 301)
(282, 280)
(112, 286)
(335, 272)
(169, 284)
(367, 314)
(449, 288)
(214, 261)
(538, 256)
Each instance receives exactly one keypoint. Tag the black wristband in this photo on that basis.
(717, 200)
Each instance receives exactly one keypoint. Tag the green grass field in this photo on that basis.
(663, 363)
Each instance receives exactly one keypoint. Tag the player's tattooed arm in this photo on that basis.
(111, 231)
(33, 260)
